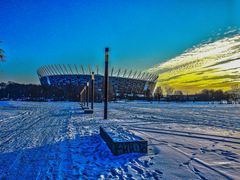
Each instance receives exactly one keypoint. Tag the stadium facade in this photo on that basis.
(122, 83)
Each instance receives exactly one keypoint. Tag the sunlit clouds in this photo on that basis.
(214, 65)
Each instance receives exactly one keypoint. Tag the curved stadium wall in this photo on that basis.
(121, 82)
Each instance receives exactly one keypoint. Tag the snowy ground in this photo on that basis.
(57, 141)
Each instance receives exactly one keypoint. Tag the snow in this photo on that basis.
(56, 140)
(119, 134)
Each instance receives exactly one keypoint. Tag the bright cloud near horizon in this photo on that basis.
(214, 65)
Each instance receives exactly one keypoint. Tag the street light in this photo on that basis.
(87, 93)
(92, 89)
(106, 83)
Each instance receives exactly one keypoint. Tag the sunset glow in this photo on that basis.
(213, 65)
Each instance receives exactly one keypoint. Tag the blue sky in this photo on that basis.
(140, 33)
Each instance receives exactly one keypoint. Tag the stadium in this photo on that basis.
(122, 83)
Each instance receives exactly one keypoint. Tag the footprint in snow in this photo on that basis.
(140, 171)
(186, 163)
(157, 174)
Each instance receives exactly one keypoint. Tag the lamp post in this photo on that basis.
(92, 89)
(87, 93)
(80, 98)
(106, 83)
(85, 99)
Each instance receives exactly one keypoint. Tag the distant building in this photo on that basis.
(123, 83)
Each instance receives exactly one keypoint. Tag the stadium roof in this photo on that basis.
(62, 69)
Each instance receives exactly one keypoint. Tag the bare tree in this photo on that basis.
(178, 93)
(169, 90)
(158, 93)
(2, 56)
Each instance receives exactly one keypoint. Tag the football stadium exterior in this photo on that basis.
(122, 83)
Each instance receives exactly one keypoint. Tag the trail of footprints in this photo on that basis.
(82, 155)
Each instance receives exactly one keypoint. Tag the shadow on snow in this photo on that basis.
(84, 156)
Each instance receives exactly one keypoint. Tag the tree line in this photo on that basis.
(204, 95)
(32, 92)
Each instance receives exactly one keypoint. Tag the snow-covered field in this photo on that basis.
(57, 141)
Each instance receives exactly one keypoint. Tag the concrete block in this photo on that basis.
(88, 111)
(121, 141)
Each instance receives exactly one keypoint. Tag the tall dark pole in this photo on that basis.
(84, 95)
(92, 87)
(87, 93)
(80, 98)
(106, 83)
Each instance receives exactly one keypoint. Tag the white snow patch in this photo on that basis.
(58, 141)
